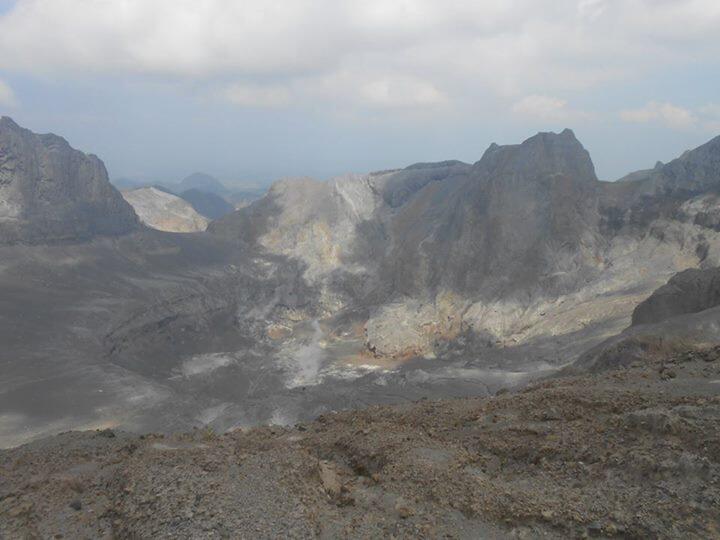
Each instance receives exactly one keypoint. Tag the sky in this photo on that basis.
(255, 90)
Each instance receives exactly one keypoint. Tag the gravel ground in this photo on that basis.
(628, 453)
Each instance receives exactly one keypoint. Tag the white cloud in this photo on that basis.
(396, 92)
(711, 116)
(591, 9)
(259, 96)
(7, 96)
(705, 118)
(436, 51)
(667, 113)
(546, 108)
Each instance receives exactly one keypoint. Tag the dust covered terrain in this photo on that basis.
(631, 452)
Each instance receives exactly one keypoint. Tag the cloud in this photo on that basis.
(711, 115)
(705, 118)
(666, 113)
(547, 108)
(399, 92)
(257, 96)
(7, 96)
(591, 9)
(398, 53)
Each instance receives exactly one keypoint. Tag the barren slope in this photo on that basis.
(164, 211)
(628, 453)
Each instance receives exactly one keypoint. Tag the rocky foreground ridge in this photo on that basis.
(630, 452)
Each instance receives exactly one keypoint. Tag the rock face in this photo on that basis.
(521, 218)
(525, 244)
(696, 171)
(683, 312)
(50, 192)
(690, 291)
(164, 211)
(207, 204)
(440, 279)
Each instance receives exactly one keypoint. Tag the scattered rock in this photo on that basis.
(631, 456)
(329, 478)
(403, 509)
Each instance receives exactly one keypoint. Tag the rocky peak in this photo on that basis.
(695, 170)
(8, 123)
(541, 155)
(50, 192)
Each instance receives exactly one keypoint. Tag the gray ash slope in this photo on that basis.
(441, 279)
(683, 313)
(623, 453)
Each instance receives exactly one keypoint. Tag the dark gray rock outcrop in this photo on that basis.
(50, 192)
(522, 217)
(207, 204)
(696, 171)
(690, 291)
(636, 200)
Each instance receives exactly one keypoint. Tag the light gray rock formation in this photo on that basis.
(50, 192)
(164, 211)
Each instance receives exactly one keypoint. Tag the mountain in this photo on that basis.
(245, 197)
(209, 193)
(574, 320)
(525, 246)
(124, 184)
(50, 192)
(164, 211)
(203, 182)
(207, 204)
(518, 220)
(437, 280)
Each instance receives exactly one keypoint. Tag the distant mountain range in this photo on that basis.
(206, 194)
